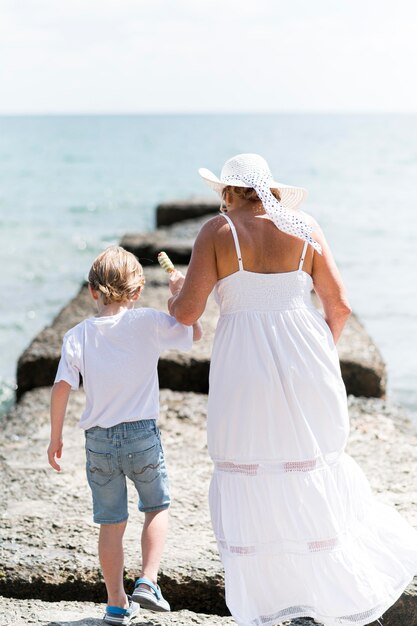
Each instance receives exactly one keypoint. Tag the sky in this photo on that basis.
(191, 56)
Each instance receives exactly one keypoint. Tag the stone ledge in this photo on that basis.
(39, 613)
(363, 369)
(176, 240)
(21, 612)
(176, 211)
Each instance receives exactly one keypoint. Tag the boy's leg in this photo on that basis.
(154, 533)
(146, 467)
(110, 550)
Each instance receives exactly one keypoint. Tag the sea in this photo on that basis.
(71, 185)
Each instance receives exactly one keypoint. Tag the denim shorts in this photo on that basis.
(131, 449)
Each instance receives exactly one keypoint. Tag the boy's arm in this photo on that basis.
(59, 399)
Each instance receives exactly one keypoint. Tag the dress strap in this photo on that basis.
(303, 255)
(236, 240)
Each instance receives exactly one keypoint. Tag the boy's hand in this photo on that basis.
(171, 301)
(176, 281)
(55, 450)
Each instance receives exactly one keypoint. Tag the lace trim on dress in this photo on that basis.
(324, 545)
(237, 468)
(254, 469)
(241, 550)
(327, 544)
(291, 612)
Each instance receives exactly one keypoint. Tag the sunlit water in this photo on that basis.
(71, 185)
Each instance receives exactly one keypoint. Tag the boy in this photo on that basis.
(116, 353)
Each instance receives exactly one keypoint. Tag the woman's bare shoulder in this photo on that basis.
(213, 227)
(310, 220)
(317, 232)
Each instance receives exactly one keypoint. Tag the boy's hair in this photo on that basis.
(116, 274)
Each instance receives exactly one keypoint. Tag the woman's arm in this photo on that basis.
(329, 286)
(190, 294)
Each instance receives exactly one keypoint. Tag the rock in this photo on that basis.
(172, 212)
(177, 241)
(146, 248)
(362, 366)
(49, 540)
(403, 613)
(384, 443)
(363, 369)
(21, 612)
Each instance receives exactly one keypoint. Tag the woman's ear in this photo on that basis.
(93, 293)
(137, 294)
(222, 203)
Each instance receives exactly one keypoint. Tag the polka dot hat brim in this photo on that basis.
(252, 171)
(291, 197)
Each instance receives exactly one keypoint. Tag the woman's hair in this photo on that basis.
(116, 274)
(248, 194)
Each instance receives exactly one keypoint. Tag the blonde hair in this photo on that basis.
(116, 274)
(248, 193)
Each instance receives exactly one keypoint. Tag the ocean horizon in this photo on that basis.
(72, 184)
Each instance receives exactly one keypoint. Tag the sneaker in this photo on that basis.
(151, 599)
(120, 617)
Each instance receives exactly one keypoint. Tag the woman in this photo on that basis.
(298, 530)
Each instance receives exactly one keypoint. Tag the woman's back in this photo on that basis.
(255, 290)
(264, 248)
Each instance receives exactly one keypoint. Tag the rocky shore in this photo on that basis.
(49, 573)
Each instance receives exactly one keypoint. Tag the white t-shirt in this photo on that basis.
(117, 357)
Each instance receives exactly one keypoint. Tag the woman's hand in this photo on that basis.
(176, 281)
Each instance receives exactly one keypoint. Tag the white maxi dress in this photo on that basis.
(298, 530)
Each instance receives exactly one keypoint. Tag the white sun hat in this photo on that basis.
(252, 171)
(238, 167)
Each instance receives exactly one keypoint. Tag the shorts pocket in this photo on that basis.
(99, 467)
(146, 464)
